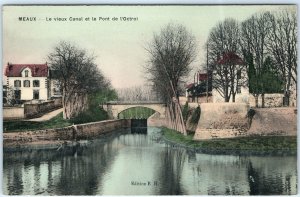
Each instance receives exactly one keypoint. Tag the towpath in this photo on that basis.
(47, 116)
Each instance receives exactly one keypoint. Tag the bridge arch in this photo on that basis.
(114, 108)
(137, 112)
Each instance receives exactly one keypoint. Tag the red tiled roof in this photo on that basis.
(37, 70)
(189, 85)
(202, 76)
(229, 58)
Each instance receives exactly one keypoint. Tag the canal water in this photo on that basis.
(140, 162)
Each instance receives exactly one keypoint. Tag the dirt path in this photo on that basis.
(47, 116)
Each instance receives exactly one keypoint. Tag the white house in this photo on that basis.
(241, 79)
(28, 81)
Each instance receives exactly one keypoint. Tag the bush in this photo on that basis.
(185, 111)
(250, 115)
(95, 112)
(196, 115)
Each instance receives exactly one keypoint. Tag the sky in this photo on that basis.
(119, 46)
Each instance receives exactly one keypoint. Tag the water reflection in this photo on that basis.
(170, 172)
(138, 162)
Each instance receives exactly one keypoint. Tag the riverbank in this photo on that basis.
(27, 125)
(257, 144)
(64, 135)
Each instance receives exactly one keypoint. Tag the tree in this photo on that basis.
(137, 93)
(269, 77)
(10, 96)
(78, 75)
(225, 64)
(252, 76)
(254, 38)
(171, 52)
(282, 44)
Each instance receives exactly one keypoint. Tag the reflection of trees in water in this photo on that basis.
(15, 183)
(81, 175)
(136, 140)
(261, 183)
(80, 170)
(170, 172)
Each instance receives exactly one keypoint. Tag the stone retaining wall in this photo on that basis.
(222, 120)
(229, 120)
(271, 100)
(13, 113)
(81, 131)
(155, 120)
(274, 121)
(31, 110)
(38, 109)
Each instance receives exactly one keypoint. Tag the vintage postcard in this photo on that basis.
(149, 99)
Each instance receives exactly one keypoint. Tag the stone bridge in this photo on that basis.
(114, 108)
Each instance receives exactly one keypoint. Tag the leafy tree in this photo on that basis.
(94, 111)
(10, 96)
(185, 111)
(267, 81)
(196, 115)
(78, 75)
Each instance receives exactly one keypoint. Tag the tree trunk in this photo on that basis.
(256, 100)
(263, 100)
(233, 97)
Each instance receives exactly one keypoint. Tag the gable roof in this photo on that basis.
(37, 70)
(229, 58)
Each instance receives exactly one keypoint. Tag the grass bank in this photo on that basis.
(260, 143)
(18, 125)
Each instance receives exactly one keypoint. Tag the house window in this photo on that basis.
(36, 83)
(36, 94)
(26, 73)
(17, 83)
(26, 83)
(239, 89)
(239, 74)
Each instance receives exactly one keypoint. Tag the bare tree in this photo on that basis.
(225, 64)
(255, 32)
(78, 75)
(171, 53)
(282, 44)
(137, 93)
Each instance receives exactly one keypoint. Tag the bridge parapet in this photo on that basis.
(133, 102)
(114, 108)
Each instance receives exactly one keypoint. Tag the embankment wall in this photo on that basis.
(75, 132)
(31, 110)
(229, 120)
(274, 121)
(222, 120)
(13, 113)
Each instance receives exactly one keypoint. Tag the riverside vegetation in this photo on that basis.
(259, 143)
(92, 114)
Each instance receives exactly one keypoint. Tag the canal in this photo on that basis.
(140, 162)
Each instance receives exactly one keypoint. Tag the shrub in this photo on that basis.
(250, 115)
(196, 115)
(185, 111)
